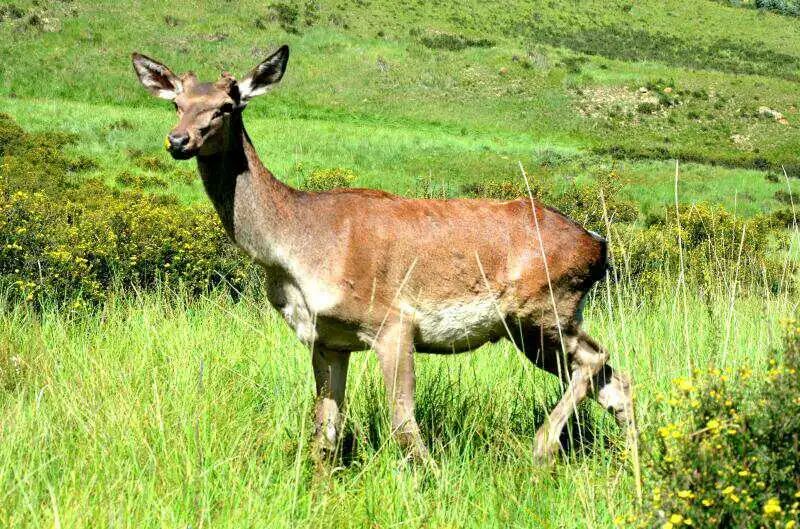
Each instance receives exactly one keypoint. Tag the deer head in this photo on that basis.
(208, 112)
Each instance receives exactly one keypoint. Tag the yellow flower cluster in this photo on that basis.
(773, 506)
(670, 431)
(676, 520)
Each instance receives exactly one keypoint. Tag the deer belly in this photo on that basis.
(457, 326)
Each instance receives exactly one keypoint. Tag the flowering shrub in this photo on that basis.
(139, 180)
(62, 238)
(709, 243)
(52, 250)
(590, 203)
(729, 457)
(324, 179)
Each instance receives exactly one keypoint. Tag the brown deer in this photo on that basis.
(353, 269)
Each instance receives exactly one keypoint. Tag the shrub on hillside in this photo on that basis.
(62, 237)
(788, 217)
(784, 7)
(286, 15)
(57, 250)
(147, 161)
(708, 243)
(324, 179)
(588, 203)
(597, 203)
(441, 40)
(728, 455)
(37, 161)
(140, 180)
(495, 189)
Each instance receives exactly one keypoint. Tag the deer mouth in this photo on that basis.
(182, 153)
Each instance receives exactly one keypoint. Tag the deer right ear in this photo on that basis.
(156, 77)
(268, 72)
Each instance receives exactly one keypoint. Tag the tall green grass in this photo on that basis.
(155, 411)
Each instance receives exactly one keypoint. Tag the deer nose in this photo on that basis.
(177, 141)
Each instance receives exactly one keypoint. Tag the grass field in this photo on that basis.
(157, 409)
(155, 413)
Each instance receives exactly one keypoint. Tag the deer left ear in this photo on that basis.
(265, 74)
(156, 77)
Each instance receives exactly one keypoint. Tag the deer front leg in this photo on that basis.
(330, 374)
(396, 357)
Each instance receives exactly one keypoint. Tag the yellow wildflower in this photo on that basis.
(729, 489)
(676, 519)
(790, 524)
(773, 506)
(683, 384)
(667, 525)
(685, 494)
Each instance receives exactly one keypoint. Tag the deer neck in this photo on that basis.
(256, 209)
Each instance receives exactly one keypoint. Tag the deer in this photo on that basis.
(360, 269)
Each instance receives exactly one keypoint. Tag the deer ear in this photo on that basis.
(268, 72)
(156, 77)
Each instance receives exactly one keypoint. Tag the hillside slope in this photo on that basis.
(452, 92)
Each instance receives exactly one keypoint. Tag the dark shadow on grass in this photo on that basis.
(458, 415)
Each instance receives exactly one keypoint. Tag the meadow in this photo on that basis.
(147, 383)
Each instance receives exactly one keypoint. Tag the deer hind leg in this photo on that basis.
(330, 375)
(395, 351)
(612, 390)
(582, 364)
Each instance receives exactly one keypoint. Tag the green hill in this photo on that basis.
(451, 93)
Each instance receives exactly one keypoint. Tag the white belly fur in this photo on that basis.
(474, 320)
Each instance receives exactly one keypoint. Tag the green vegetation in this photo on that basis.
(157, 411)
(145, 382)
(66, 239)
(729, 457)
(783, 7)
(322, 179)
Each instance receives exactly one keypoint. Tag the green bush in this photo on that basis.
(728, 455)
(139, 180)
(784, 7)
(708, 243)
(786, 217)
(324, 179)
(590, 203)
(148, 161)
(51, 250)
(65, 238)
(647, 108)
(37, 161)
(495, 189)
(286, 15)
(595, 204)
(440, 40)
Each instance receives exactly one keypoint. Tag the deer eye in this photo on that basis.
(227, 108)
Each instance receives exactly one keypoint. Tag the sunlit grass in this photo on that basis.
(154, 411)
